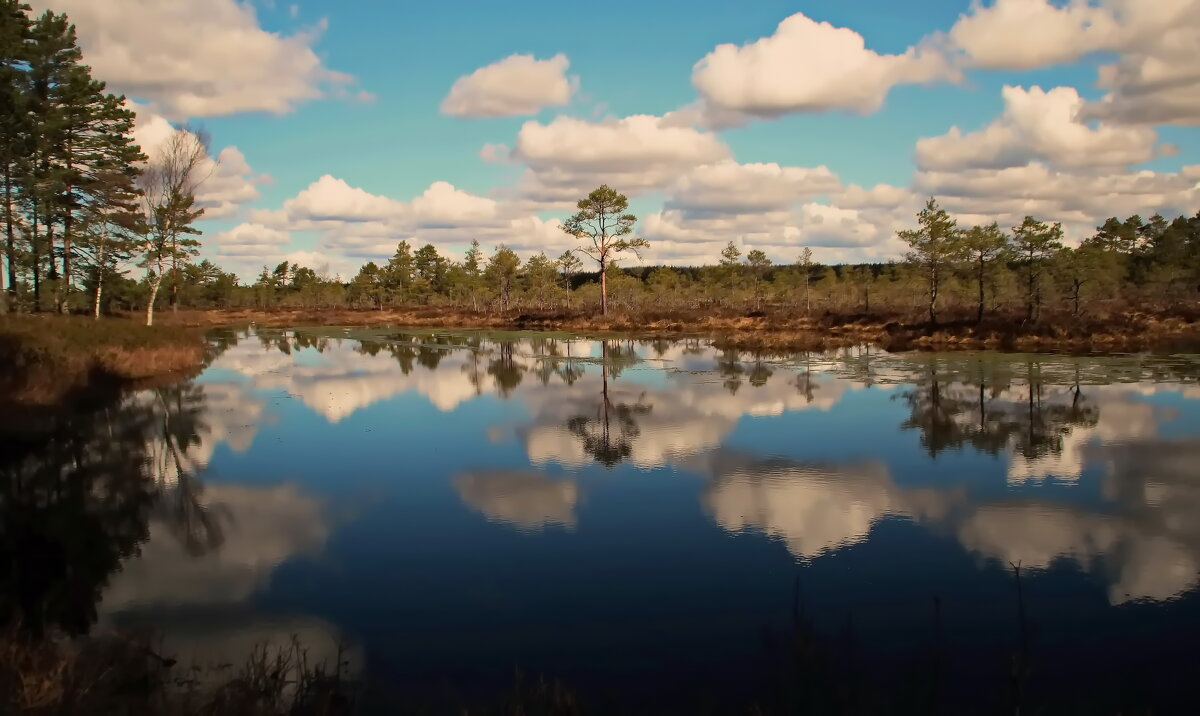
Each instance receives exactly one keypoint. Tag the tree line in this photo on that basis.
(81, 201)
(963, 272)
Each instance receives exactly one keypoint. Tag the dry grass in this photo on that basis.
(122, 675)
(47, 357)
(779, 329)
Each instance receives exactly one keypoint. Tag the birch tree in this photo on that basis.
(169, 184)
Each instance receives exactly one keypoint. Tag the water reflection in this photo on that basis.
(201, 508)
(812, 508)
(105, 515)
(527, 500)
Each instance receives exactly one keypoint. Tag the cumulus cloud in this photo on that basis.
(568, 157)
(332, 199)
(227, 181)
(1007, 195)
(249, 239)
(515, 85)
(444, 206)
(1157, 81)
(642, 150)
(1154, 79)
(198, 58)
(731, 187)
(809, 66)
(1040, 125)
(1049, 34)
(352, 224)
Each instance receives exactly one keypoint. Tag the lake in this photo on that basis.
(660, 525)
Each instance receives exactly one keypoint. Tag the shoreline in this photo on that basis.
(55, 360)
(771, 332)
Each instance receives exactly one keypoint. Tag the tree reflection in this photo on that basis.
(608, 435)
(989, 407)
(76, 497)
(178, 419)
(507, 374)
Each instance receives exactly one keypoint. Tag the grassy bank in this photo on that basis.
(124, 676)
(47, 357)
(779, 330)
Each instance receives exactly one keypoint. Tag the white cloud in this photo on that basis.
(249, 240)
(809, 66)
(731, 187)
(444, 206)
(1157, 81)
(1026, 34)
(569, 157)
(1082, 198)
(880, 196)
(352, 223)
(639, 143)
(197, 58)
(1039, 125)
(230, 183)
(227, 181)
(515, 85)
(1154, 79)
(332, 199)
(834, 232)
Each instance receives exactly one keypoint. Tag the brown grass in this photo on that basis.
(124, 675)
(779, 330)
(47, 357)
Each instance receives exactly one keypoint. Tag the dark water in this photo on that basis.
(660, 525)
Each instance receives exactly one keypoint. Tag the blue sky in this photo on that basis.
(354, 90)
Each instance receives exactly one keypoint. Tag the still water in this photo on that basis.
(660, 525)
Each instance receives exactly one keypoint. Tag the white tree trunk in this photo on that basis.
(99, 290)
(158, 277)
(99, 274)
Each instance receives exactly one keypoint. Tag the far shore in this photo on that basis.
(52, 359)
(780, 330)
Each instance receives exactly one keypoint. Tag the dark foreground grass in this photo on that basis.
(44, 358)
(119, 676)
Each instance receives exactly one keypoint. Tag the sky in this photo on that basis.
(340, 128)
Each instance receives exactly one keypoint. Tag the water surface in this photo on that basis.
(659, 524)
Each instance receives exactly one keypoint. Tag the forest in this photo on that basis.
(94, 225)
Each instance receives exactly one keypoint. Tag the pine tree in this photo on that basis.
(473, 273)
(730, 269)
(934, 249)
(983, 246)
(96, 157)
(14, 134)
(758, 263)
(501, 274)
(603, 221)
(112, 224)
(805, 263)
(1036, 243)
(568, 265)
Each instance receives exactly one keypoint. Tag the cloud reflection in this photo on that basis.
(260, 528)
(525, 499)
(651, 404)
